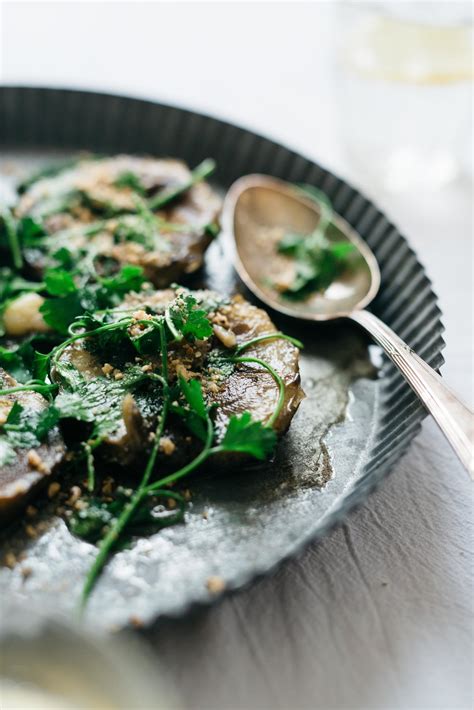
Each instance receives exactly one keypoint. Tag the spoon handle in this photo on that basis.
(453, 417)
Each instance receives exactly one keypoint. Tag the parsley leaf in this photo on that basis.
(192, 392)
(59, 313)
(64, 257)
(129, 278)
(72, 300)
(195, 417)
(23, 362)
(25, 429)
(249, 437)
(59, 282)
(188, 320)
(30, 231)
(99, 399)
(318, 260)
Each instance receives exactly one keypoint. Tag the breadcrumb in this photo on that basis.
(75, 495)
(31, 532)
(10, 560)
(215, 585)
(167, 446)
(53, 489)
(35, 461)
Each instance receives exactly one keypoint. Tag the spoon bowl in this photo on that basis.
(261, 210)
(258, 211)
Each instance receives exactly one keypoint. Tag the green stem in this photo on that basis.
(18, 284)
(56, 352)
(268, 336)
(34, 387)
(13, 241)
(276, 377)
(191, 466)
(90, 467)
(177, 335)
(121, 522)
(200, 173)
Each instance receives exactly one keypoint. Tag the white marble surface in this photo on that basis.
(379, 614)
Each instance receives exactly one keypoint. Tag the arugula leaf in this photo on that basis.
(249, 437)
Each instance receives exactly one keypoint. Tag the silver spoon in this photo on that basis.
(258, 210)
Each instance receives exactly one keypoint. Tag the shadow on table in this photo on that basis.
(376, 615)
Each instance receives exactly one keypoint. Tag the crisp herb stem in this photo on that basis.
(276, 377)
(268, 336)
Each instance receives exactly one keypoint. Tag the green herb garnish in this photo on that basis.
(25, 428)
(12, 237)
(200, 173)
(130, 180)
(134, 350)
(98, 402)
(318, 259)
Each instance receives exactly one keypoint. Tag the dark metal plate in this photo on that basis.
(348, 433)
